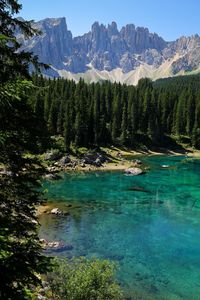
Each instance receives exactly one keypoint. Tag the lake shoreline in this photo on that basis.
(118, 164)
(120, 161)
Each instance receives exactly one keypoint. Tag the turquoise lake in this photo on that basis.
(153, 234)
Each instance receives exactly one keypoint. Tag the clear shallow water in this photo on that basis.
(153, 235)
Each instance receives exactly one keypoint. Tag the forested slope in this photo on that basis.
(106, 113)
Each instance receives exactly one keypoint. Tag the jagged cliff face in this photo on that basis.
(107, 53)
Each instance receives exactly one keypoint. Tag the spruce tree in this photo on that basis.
(96, 114)
(21, 259)
(190, 114)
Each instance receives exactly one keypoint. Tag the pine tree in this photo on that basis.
(146, 111)
(180, 115)
(190, 115)
(124, 125)
(68, 124)
(47, 104)
(53, 116)
(96, 114)
(39, 105)
(116, 119)
(60, 118)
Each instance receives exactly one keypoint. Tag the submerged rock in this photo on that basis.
(164, 167)
(134, 171)
(56, 211)
(138, 189)
(56, 246)
(149, 202)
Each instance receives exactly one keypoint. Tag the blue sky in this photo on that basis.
(170, 19)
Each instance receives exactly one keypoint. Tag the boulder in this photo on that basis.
(56, 211)
(73, 164)
(53, 169)
(52, 155)
(134, 171)
(41, 297)
(94, 158)
(97, 162)
(64, 161)
(138, 161)
(52, 176)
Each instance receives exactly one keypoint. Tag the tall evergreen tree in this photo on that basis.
(53, 116)
(180, 114)
(190, 114)
(96, 114)
(20, 250)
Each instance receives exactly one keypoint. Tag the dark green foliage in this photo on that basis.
(82, 279)
(20, 250)
(99, 114)
(21, 130)
(179, 83)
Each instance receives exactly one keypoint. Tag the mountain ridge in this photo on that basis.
(107, 53)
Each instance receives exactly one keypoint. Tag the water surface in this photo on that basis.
(154, 234)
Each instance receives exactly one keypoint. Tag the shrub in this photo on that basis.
(83, 279)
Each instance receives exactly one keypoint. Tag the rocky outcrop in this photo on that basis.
(106, 49)
(94, 158)
(52, 155)
(53, 44)
(64, 160)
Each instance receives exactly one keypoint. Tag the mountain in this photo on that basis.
(107, 53)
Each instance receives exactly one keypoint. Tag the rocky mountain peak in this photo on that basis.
(131, 50)
(112, 29)
(53, 22)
